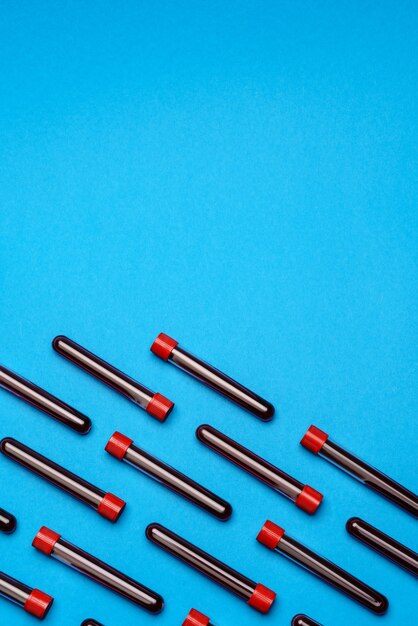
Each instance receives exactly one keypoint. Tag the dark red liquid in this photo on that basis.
(7, 522)
(370, 476)
(54, 473)
(304, 496)
(178, 482)
(332, 574)
(102, 370)
(23, 596)
(385, 545)
(13, 589)
(168, 349)
(106, 575)
(250, 462)
(44, 401)
(202, 561)
(222, 383)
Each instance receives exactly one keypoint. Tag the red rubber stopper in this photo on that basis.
(195, 618)
(45, 540)
(111, 507)
(270, 535)
(38, 603)
(118, 445)
(262, 598)
(309, 499)
(314, 439)
(163, 346)
(159, 406)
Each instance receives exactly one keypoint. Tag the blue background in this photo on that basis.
(240, 176)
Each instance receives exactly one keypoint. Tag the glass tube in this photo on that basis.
(275, 538)
(256, 595)
(304, 496)
(33, 601)
(385, 545)
(318, 442)
(7, 522)
(153, 403)
(303, 620)
(52, 544)
(44, 401)
(123, 448)
(169, 350)
(106, 504)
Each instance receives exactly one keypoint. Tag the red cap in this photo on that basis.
(309, 499)
(118, 445)
(314, 439)
(262, 598)
(38, 603)
(270, 535)
(111, 507)
(159, 406)
(163, 346)
(195, 618)
(45, 540)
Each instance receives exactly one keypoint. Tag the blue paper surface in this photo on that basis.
(239, 175)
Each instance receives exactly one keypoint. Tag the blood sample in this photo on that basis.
(33, 601)
(194, 618)
(169, 350)
(385, 545)
(304, 496)
(304, 620)
(44, 401)
(153, 403)
(256, 595)
(318, 442)
(275, 538)
(106, 504)
(123, 449)
(91, 622)
(7, 522)
(52, 544)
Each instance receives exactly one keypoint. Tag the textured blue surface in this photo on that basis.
(240, 176)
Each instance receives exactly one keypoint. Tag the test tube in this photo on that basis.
(304, 620)
(169, 350)
(318, 442)
(44, 401)
(106, 504)
(256, 595)
(91, 622)
(123, 448)
(153, 403)
(275, 538)
(195, 618)
(7, 522)
(385, 545)
(304, 496)
(33, 601)
(52, 544)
